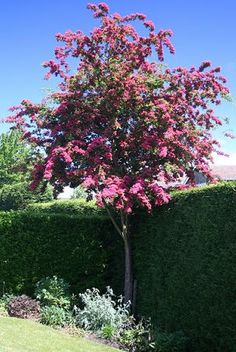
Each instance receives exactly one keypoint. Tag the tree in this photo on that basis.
(17, 196)
(15, 156)
(79, 193)
(120, 125)
(16, 159)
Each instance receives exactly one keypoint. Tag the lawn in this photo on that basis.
(18, 335)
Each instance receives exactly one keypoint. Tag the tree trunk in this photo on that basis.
(128, 287)
(124, 233)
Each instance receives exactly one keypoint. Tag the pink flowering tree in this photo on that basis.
(121, 125)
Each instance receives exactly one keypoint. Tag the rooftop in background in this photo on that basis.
(225, 172)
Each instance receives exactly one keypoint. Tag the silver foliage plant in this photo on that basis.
(100, 310)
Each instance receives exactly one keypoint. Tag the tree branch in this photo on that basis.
(124, 224)
(113, 220)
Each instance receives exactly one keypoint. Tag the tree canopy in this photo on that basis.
(15, 156)
(121, 124)
(16, 159)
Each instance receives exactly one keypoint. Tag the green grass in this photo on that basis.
(18, 335)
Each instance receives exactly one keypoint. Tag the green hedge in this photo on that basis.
(185, 259)
(81, 249)
(70, 207)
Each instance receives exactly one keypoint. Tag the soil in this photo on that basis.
(94, 337)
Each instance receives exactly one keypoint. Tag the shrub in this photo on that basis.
(102, 310)
(137, 337)
(53, 291)
(23, 307)
(18, 196)
(3, 310)
(108, 332)
(79, 193)
(4, 300)
(56, 316)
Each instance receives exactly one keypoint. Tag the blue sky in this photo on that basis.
(203, 30)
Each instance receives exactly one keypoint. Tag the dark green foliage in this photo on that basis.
(17, 196)
(23, 307)
(185, 261)
(171, 342)
(53, 291)
(70, 207)
(56, 316)
(33, 245)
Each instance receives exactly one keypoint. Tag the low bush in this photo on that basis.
(108, 332)
(108, 317)
(137, 337)
(23, 307)
(53, 291)
(4, 300)
(56, 316)
(102, 310)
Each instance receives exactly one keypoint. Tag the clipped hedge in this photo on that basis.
(81, 249)
(185, 259)
(69, 207)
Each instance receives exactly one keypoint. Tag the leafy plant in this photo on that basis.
(4, 300)
(79, 193)
(102, 310)
(108, 332)
(137, 337)
(3, 309)
(56, 316)
(53, 291)
(23, 307)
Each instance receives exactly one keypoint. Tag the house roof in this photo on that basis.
(225, 172)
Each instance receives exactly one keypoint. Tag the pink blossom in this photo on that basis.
(103, 6)
(79, 150)
(149, 24)
(89, 181)
(136, 188)
(121, 125)
(48, 170)
(163, 152)
(109, 192)
(204, 65)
